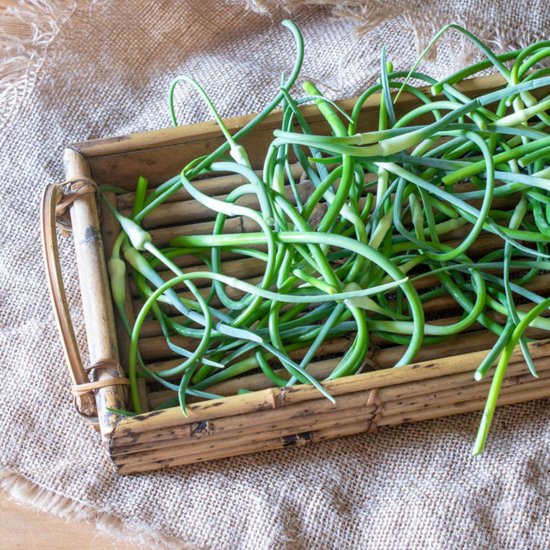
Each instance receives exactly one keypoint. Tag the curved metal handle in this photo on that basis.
(85, 402)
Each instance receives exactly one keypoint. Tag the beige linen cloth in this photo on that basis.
(102, 69)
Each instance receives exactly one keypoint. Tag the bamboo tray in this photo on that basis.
(439, 384)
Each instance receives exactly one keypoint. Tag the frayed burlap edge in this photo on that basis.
(26, 31)
(25, 492)
(38, 22)
(368, 14)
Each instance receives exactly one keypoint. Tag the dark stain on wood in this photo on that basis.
(130, 434)
(303, 413)
(163, 461)
(142, 417)
(423, 365)
(264, 406)
(297, 439)
(199, 429)
(91, 234)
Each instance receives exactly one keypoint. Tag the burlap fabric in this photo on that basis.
(103, 69)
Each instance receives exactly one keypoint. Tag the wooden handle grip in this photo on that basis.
(85, 403)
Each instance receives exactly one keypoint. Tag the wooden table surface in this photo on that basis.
(22, 526)
(28, 529)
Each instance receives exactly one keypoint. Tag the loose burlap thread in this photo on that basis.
(100, 69)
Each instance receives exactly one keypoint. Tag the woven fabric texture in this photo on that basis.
(103, 69)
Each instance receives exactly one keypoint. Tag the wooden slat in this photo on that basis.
(265, 420)
(509, 396)
(288, 419)
(271, 398)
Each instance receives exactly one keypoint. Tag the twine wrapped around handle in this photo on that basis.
(56, 202)
(69, 191)
(90, 387)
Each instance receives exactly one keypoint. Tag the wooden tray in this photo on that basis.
(440, 384)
